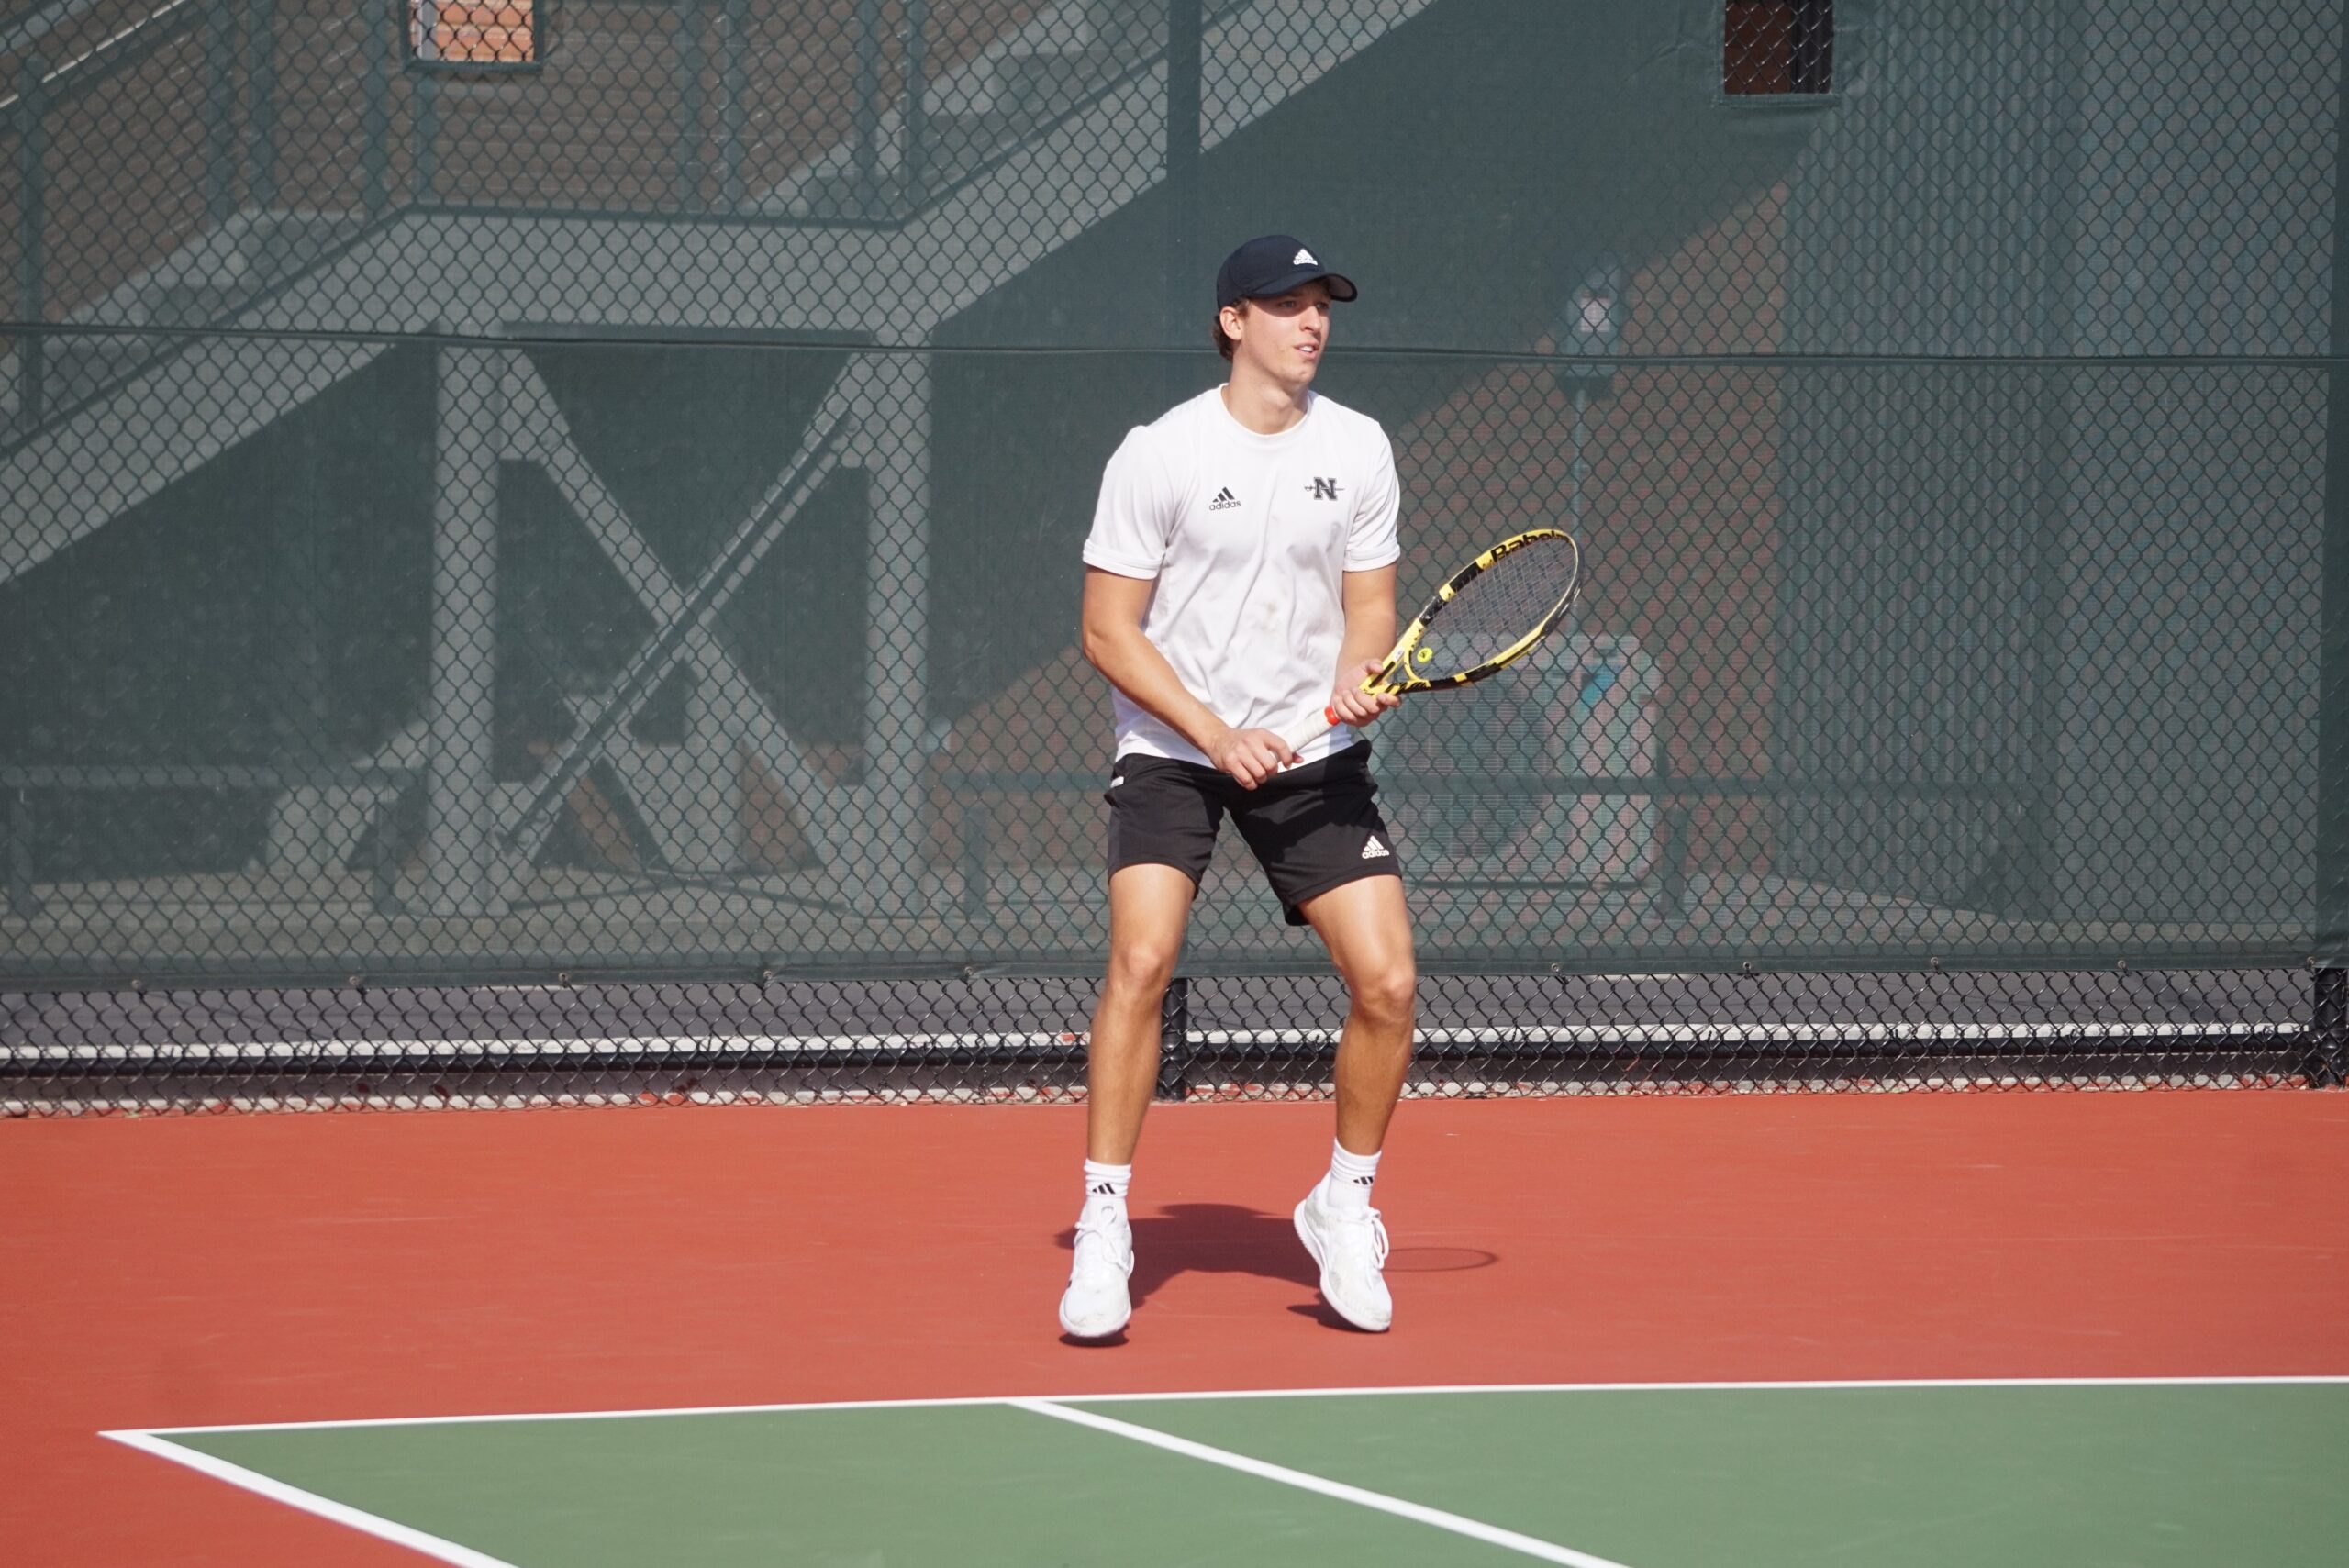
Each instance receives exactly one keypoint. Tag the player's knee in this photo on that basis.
(1388, 992)
(1139, 973)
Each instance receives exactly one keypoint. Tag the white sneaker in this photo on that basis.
(1351, 1246)
(1095, 1304)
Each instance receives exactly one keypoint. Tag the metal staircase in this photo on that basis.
(877, 235)
(894, 228)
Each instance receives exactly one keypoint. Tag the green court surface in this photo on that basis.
(2201, 1472)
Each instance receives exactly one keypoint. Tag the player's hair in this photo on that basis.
(1224, 345)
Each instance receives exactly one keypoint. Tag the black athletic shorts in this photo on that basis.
(1313, 827)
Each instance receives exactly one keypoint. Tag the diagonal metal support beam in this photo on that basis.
(681, 618)
(547, 441)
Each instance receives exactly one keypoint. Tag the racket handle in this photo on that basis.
(1298, 740)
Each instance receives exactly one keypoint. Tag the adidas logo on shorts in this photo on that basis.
(1374, 851)
(1224, 500)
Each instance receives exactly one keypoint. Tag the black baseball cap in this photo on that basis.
(1273, 264)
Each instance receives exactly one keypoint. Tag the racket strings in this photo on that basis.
(1497, 608)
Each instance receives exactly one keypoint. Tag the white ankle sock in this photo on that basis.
(1107, 1183)
(1348, 1184)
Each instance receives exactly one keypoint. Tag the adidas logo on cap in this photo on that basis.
(1374, 851)
(1271, 266)
(1224, 500)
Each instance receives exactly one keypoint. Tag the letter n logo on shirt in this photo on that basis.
(1325, 490)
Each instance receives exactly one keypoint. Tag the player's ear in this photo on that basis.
(1225, 318)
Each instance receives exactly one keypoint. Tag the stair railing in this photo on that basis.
(231, 160)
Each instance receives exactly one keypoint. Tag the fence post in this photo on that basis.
(424, 137)
(1671, 874)
(23, 902)
(689, 67)
(867, 109)
(32, 202)
(379, 46)
(460, 833)
(1183, 290)
(2329, 1039)
(261, 129)
(220, 112)
(2034, 882)
(2329, 932)
(916, 128)
(383, 850)
(731, 113)
(1174, 1041)
(978, 821)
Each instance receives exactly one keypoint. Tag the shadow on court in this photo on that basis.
(1226, 1239)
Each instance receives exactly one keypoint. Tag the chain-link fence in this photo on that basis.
(541, 540)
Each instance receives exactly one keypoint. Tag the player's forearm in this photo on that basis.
(1370, 636)
(1133, 664)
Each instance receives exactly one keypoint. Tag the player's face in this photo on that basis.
(1284, 336)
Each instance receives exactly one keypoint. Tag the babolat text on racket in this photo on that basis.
(1492, 613)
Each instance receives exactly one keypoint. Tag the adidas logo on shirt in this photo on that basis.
(1374, 851)
(1224, 500)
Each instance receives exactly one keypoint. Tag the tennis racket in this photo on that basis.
(1492, 612)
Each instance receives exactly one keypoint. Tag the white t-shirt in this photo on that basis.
(1249, 539)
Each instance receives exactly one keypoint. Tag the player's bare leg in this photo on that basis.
(1148, 907)
(1368, 932)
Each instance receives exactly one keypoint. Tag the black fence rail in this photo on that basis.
(1252, 1037)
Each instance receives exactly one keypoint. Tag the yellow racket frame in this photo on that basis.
(1394, 672)
(1398, 659)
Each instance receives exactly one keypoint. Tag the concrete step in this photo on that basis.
(1025, 90)
(1042, 85)
(1137, 26)
(955, 146)
(845, 197)
(188, 303)
(279, 244)
(958, 143)
(211, 281)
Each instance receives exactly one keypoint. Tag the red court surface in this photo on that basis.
(271, 1268)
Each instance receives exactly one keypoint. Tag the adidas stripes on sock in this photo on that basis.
(1107, 1183)
(1351, 1175)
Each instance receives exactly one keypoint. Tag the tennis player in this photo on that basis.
(1239, 579)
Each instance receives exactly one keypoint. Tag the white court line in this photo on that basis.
(310, 1502)
(1475, 1530)
(1762, 1386)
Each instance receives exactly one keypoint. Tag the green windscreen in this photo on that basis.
(494, 492)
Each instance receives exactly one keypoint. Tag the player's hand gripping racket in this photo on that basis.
(1493, 612)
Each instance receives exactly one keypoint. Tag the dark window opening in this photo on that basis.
(1775, 48)
(498, 35)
